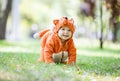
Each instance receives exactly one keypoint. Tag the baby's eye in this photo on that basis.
(69, 30)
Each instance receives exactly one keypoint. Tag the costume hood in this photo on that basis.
(64, 21)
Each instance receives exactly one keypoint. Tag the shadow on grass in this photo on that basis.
(99, 65)
(104, 61)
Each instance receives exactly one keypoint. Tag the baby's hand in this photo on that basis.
(36, 35)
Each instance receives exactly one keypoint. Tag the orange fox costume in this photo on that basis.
(52, 45)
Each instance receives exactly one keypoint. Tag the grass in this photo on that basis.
(18, 62)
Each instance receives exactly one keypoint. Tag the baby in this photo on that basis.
(58, 45)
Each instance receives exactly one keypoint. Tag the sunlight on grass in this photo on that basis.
(87, 42)
(15, 49)
(91, 48)
(83, 42)
(98, 54)
(23, 47)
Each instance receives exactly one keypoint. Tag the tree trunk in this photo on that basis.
(101, 37)
(15, 18)
(3, 19)
(115, 31)
(114, 5)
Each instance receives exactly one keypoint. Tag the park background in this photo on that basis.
(97, 39)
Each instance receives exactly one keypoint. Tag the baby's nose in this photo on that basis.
(66, 31)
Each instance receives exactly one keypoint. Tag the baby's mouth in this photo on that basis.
(66, 35)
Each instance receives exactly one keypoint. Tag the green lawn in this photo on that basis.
(18, 62)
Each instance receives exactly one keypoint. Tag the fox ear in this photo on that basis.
(72, 20)
(55, 21)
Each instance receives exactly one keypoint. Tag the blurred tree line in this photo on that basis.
(41, 11)
(89, 7)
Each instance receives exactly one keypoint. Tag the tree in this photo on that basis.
(101, 30)
(88, 8)
(114, 5)
(3, 18)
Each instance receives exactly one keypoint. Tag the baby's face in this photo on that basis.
(64, 33)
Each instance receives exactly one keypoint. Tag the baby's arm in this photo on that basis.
(72, 53)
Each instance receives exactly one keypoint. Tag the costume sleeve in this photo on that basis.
(72, 53)
(48, 51)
